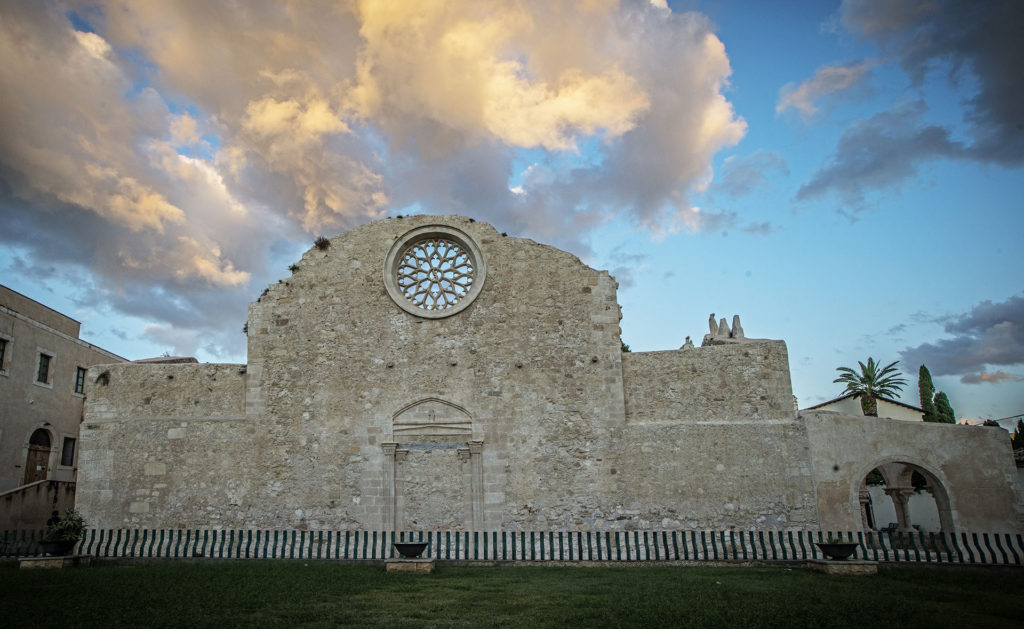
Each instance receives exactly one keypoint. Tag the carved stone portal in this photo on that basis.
(433, 469)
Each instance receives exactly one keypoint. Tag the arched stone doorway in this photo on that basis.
(433, 469)
(37, 461)
(905, 497)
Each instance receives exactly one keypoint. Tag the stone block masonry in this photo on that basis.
(430, 373)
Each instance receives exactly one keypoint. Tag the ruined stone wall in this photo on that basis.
(533, 363)
(711, 440)
(517, 412)
(165, 444)
(716, 475)
(743, 382)
(165, 392)
(974, 465)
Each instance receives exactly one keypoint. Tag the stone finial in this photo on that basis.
(688, 344)
(737, 329)
(713, 325)
(723, 328)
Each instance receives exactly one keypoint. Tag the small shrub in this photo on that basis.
(293, 268)
(69, 528)
(322, 243)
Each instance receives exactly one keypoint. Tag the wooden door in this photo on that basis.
(36, 462)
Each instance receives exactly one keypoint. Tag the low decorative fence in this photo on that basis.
(644, 546)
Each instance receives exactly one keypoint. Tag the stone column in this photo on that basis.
(467, 482)
(865, 502)
(388, 481)
(900, 499)
(400, 474)
(476, 486)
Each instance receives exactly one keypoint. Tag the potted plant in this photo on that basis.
(63, 533)
(836, 548)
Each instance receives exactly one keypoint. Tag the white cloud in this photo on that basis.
(302, 119)
(742, 175)
(827, 81)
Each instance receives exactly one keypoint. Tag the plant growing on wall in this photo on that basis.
(871, 383)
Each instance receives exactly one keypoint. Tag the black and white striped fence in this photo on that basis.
(614, 546)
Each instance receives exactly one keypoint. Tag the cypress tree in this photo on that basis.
(1018, 435)
(927, 390)
(943, 409)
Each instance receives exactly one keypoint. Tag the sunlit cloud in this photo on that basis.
(993, 377)
(172, 148)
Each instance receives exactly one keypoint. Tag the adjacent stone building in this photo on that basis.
(43, 365)
(430, 373)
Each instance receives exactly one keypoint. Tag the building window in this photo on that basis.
(43, 375)
(67, 455)
(3, 354)
(80, 380)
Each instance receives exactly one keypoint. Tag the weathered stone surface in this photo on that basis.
(746, 382)
(970, 466)
(518, 412)
(737, 329)
(67, 561)
(849, 567)
(410, 566)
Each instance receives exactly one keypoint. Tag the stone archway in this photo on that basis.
(37, 458)
(911, 493)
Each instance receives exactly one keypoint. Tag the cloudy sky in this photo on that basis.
(846, 176)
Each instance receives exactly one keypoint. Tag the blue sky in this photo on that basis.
(846, 176)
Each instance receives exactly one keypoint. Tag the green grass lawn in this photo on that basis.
(296, 593)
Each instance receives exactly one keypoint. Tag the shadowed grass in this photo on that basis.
(296, 593)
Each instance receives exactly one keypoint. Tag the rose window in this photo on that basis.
(435, 273)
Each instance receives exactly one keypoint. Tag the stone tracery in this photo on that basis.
(435, 273)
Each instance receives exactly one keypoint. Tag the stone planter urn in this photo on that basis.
(58, 548)
(410, 550)
(837, 551)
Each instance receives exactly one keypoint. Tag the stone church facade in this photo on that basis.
(428, 373)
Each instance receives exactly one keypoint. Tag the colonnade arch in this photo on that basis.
(903, 479)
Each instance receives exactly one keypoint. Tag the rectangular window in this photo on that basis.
(80, 380)
(43, 375)
(67, 455)
(3, 354)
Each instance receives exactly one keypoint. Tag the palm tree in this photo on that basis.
(871, 383)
